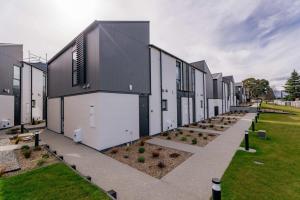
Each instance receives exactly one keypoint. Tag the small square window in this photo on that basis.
(164, 105)
(33, 103)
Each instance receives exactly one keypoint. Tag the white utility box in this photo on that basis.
(5, 123)
(77, 136)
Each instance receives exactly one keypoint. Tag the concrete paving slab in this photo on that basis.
(8, 159)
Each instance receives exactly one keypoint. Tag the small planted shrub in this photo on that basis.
(165, 134)
(191, 131)
(176, 134)
(211, 125)
(17, 140)
(174, 155)
(141, 150)
(200, 134)
(205, 137)
(127, 149)
(194, 124)
(194, 141)
(41, 162)
(114, 151)
(225, 123)
(126, 156)
(183, 139)
(27, 153)
(229, 122)
(161, 164)
(141, 159)
(155, 154)
(169, 138)
(45, 156)
(142, 143)
(180, 132)
(25, 147)
(211, 135)
(222, 127)
(204, 127)
(200, 126)
(188, 135)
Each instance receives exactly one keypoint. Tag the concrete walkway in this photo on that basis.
(190, 181)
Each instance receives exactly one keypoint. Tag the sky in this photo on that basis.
(248, 38)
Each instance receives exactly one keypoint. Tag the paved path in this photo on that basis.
(190, 181)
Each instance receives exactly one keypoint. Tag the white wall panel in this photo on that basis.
(7, 108)
(184, 111)
(169, 91)
(26, 94)
(199, 95)
(191, 110)
(54, 115)
(155, 97)
(37, 93)
(115, 120)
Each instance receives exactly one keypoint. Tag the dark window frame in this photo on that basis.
(164, 105)
(33, 103)
(178, 79)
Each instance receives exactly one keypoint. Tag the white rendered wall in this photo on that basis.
(106, 119)
(199, 95)
(169, 91)
(155, 97)
(191, 110)
(211, 106)
(54, 115)
(37, 93)
(26, 94)
(7, 108)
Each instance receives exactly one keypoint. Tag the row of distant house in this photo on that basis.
(110, 86)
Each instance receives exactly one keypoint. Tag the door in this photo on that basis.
(179, 120)
(17, 94)
(144, 115)
(216, 110)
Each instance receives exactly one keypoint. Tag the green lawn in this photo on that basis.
(53, 182)
(279, 177)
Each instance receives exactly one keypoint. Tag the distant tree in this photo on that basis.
(258, 88)
(292, 86)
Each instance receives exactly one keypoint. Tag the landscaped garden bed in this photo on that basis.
(189, 137)
(29, 158)
(210, 125)
(152, 159)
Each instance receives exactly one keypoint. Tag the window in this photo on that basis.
(164, 105)
(185, 77)
(192, 78)
(201, 103)
(178, 75)
(33, 103)
(74, 67)
(16, 78)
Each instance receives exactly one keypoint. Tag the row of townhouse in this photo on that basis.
(110, 86)
(22, 87)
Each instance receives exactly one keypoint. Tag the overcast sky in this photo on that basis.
(248, 38)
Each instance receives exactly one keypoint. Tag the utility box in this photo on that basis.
(5, 123)
(77, 136)
(262, 134)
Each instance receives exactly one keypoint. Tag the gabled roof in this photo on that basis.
(239, 84)
(230, 78)
(172, 55)
(38, 65)
(217, 75)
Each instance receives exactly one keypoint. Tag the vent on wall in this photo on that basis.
(81, 64)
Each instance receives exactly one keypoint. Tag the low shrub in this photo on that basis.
(205, 137)
(142, 143)
(200, 134)
(229, 122)
(188, 135)
(191, 131)
(141, 159)
(176, 134)
(17, 140)
(204, 127)
(200, 126)
(165, 134)
(114, 151)
(194, 123)
(41, 162)
(141, 150)
(27, 153)
(155, 154)
(225, 123)
(127, 149)
(194, 141)
(183, 139)
(211, 134)
(211, 125)
(161, 164)
(45, 156)
(169, 138)
(25, 147)
(126, 156)
(180, 132)
(174, 155)
(222, 127)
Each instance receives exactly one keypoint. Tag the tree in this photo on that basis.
(258, 88)
(292, 86)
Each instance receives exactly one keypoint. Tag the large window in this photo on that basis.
(164, 105)
(74, 67)
(192, 80)
(178, 75)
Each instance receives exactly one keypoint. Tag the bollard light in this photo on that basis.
(36, 139)
(253, 126)
(246, 140)
(216, 189)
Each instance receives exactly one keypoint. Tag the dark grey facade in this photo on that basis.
(217, 86)
(10, 55)
(116, 60)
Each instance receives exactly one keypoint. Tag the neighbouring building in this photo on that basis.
(229, 98)
(33, 89)
(240, 93)
(11, 56)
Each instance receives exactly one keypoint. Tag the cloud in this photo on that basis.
(249, 38)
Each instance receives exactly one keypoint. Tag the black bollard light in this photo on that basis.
(73, 167)
(253, 126)
(256, 119)
(22, 128)
(88, 178)
(246, 140)
(61, 157)
(216, 189)
(36, 139)
(112, 193)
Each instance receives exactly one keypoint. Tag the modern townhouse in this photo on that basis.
(109, 86)
(11, 56)
(33, 91)
(228, 93)
(240, 93)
